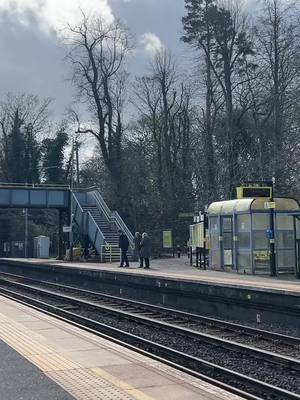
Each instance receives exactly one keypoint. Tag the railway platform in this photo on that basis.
(174, 283)
(46, 358)
(175, 268)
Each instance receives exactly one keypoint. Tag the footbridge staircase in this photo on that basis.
(90, 213)
(95, 220)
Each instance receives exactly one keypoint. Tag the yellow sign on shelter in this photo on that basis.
(167, 239)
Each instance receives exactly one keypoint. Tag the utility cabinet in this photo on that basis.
(41, 246)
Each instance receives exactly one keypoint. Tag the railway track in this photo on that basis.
(212, 349)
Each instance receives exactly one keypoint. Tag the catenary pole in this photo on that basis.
(273, 271)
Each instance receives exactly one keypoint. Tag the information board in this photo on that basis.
(167, 239)
(197, 234)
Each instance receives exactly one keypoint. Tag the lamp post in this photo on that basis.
(25, 212)
(29, 177)
(71, 201)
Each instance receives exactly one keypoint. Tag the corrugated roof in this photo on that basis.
(245, 205)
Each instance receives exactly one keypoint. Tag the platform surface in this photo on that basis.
(84, 365)
(21, 380)
(180, 269)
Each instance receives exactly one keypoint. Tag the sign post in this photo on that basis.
(271, 206)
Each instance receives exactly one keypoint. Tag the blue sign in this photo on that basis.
(269, 234)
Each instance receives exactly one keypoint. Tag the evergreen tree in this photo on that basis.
(221, 34)
(15, 157)
(53, 158)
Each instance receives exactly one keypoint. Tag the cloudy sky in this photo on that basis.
(32, 58)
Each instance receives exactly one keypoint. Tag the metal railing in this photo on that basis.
(102, 205)
(121, 225)
(34, 186)
(88, 225)
(95, 234)
(82, 222)
(113, 217)
(111, 252)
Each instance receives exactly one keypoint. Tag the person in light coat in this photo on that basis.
(145, 250)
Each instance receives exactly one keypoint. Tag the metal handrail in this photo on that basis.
(110, 251)
(102, 205)
(93, 219)
(45, 186)
(33, 186)
(121, 225)
(77, 201)
(113, 216)
(89, 217)
(99, 231)
(74, 198)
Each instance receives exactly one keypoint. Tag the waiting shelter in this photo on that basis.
(239, 235)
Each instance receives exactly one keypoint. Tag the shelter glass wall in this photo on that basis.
(285, 242)
(214, 229)
(261, 258)
(240, 235)
(227, 241)
(243, 242)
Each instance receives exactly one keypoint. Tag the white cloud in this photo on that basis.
(54, 14)
(151, 43)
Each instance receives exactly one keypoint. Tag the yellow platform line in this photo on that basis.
(131, 390)
(82, 383)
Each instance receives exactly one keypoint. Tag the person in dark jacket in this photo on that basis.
(137, 247)
(123, 245)
(145, 250)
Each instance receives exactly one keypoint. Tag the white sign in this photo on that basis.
(67, 229)
(269, 204)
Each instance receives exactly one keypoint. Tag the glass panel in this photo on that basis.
(244, 261)
(214, 240)
(297, 228)
(243, 223)
(244, 240)
(286, 258)
(260, 221)
(261, 259)
(260, 240)
(227, 240)
(215, 259)
(285, 239)
(226, 224)
(227, 257)
(284, 222)
(214, 224)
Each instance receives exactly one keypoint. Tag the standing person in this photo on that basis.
(137, 247)
(145, 250)
(123, 244)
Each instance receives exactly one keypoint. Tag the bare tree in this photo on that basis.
(164, 101)
(278, 37)
(97, 54)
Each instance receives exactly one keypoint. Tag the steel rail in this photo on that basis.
(188, 363)
(184, 315)
(215, 341)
